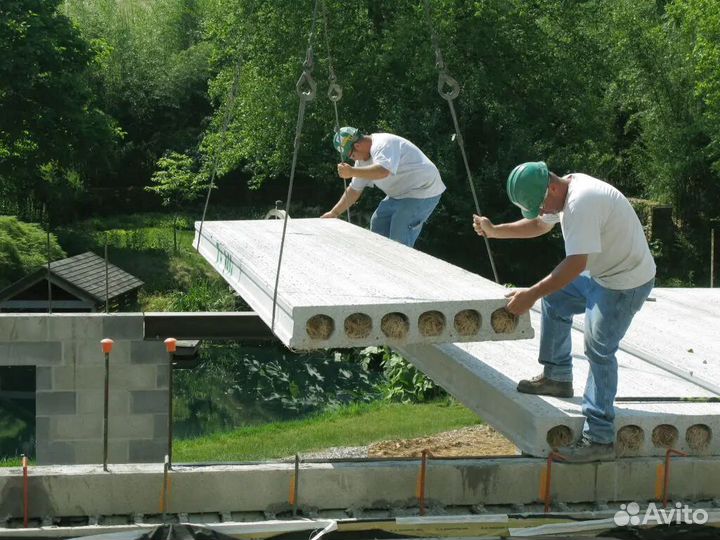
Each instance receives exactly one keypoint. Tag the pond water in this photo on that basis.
(239, 385)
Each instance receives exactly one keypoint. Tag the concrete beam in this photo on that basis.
(135, 489)
(344, 286)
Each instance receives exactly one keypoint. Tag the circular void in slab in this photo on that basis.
(559, 436)
(431, 323)
(320, 327)
(503, 322)
(395, 325)
(629, 440)
(664, 436)
(467, 322)
(358, 326)
(698, 437)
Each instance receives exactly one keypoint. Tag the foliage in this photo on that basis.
(402, 381)
(238, 384)
(23, 249)
(151, 72)
(52, 134)
(350, 425)
(175, 181)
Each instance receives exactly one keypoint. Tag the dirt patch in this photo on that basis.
(470, 441)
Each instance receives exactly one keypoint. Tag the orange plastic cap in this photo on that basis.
(107, 345)
(170, 344)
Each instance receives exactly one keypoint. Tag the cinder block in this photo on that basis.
(90, 353)
(131, 426)
(162, 379)
(148, 352)
(403, 297)
(93, 401)
(63, 377)
(42, 429)
(43, 378)
(120, 378)
(25, 327)
(79, 426)
(139, 377)
(123, 326)
(75, 326)
(160, 429)
(55, 403)
(90, 452)
(147, 451)
(55, 453)
(40, 353)
(148, 401)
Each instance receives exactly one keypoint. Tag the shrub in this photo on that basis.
(23, 249)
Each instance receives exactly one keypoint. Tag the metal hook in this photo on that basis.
(309, 94)
(454, 90)
(334, 92)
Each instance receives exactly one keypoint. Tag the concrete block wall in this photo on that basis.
(70, 377)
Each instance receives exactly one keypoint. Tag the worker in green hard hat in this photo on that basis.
(410, 181)
(607, 274)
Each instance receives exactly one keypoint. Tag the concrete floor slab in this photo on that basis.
(344, 286)
(656, 408)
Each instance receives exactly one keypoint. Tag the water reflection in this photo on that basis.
(239, 385)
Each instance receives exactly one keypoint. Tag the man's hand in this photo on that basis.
(329, 214)
(483, 226)
(520, 301)
(345, 170)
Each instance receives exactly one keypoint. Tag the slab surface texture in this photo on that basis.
(667, 370)
(344, 286)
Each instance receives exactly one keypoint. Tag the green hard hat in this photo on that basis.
(527, 186)
(344, 139)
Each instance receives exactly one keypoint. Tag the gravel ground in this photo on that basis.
(338, 453)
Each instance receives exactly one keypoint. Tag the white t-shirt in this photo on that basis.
(597, 220)
(412, 174)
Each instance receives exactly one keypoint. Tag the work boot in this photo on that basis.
(543, 386)
(587, 450)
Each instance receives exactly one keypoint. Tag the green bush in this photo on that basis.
(23, 249)
(403, 382)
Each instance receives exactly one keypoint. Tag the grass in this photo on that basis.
(12, 462)
(354, 425)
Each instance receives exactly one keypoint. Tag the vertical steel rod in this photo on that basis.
(107, 278)
(170, 345)
(25, 491)
(712, 257)
(106, 348)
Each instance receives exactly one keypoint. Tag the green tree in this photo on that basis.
(52, 136)
(177, 182)
(152, 72)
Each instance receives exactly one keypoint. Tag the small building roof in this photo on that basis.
(82, 274)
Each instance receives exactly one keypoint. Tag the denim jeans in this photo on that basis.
(608, 314)
(402, 219)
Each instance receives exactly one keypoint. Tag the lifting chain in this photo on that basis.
(229, 105)
(305, 88)
(449, 89)
(334, 91)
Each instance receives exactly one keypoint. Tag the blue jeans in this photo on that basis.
(402, 219)
(608, 314)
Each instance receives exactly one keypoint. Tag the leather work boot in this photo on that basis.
(545, 387)
(586, 450)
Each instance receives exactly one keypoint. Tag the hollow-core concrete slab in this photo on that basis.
(656, 407)
(344, 286)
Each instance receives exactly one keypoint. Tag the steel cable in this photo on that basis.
(445, 80)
